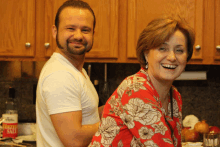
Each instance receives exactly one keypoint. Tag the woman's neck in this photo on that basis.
(162, 87)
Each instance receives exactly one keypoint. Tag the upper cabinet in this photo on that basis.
(26, 26)
(217, 30)
(106, 31)
(141, 12)
(17, 28)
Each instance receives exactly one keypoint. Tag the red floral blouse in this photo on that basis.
(133, 116)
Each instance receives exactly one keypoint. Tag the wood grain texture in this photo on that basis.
(49, 21)
(141, 12)
(17, 28)
(217, 29)
(106, 31)
(119, 24)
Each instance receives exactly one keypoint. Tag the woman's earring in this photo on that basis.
(146, 66)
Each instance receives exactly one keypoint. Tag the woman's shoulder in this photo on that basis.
(176, 94)
(136, 82)
(136, 86)
(175, 90)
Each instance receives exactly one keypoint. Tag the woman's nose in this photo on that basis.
(171, 56)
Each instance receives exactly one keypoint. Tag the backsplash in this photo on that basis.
(201, 98)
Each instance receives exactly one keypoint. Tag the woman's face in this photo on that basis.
(167, 61)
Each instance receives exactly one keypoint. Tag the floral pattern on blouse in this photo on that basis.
(133, 116)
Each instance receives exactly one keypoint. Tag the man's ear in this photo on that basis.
(54, 31)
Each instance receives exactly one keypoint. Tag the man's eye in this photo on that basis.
(85, 30)
(179, 50)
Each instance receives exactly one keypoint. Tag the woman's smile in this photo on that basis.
(169, 66)
(168, 60)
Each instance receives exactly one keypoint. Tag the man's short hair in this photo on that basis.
(73, 4)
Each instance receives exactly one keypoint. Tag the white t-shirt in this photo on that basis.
(62, 88)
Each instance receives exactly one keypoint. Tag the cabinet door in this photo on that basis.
(17, 28)
(217, 30)
(141, 12)
(106, 31)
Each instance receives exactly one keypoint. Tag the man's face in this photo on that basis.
(75, 32)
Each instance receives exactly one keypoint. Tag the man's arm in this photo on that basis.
(70, 129)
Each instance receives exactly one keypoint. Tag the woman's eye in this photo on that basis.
(162, 49)
(70, 28)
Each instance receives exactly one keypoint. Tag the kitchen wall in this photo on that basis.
(201, 98)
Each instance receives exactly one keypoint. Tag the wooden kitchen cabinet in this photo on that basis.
(217, 30)
(17, 28)
(141, 12)
(23, 26)
(119, 23)
(106, 31)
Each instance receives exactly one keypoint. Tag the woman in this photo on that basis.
(146, 110)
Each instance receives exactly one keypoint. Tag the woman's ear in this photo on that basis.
(146, 64)
(145, 55)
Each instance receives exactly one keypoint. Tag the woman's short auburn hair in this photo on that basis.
(158, 31)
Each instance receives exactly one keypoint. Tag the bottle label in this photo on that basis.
(10, 125)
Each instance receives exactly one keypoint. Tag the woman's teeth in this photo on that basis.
(169, 66)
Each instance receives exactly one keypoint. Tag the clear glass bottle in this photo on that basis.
(10, 123)
(11, 105)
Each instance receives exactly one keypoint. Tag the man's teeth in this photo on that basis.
(169, 66)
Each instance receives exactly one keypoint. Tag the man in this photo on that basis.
(67, 103)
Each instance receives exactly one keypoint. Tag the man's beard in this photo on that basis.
(71, 50)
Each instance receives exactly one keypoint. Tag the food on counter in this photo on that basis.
(184, 130)
(191, 136)
(201, 127)
(214, 129)
(193, 132)
(190, 121)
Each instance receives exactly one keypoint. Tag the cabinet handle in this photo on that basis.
(47, 45)
(218, 47)
(197, 47)
(28, 44)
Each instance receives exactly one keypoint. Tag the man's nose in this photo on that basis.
(78, 35)
(171, 56)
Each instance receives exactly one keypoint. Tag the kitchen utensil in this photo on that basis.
(104, 93)
(89, 70)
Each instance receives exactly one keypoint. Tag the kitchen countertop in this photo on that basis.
(24, 144)
(33, 144)
(192, 144)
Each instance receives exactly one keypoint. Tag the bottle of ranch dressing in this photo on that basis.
(10, 124)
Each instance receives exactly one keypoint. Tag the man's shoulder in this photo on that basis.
(57, 64)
